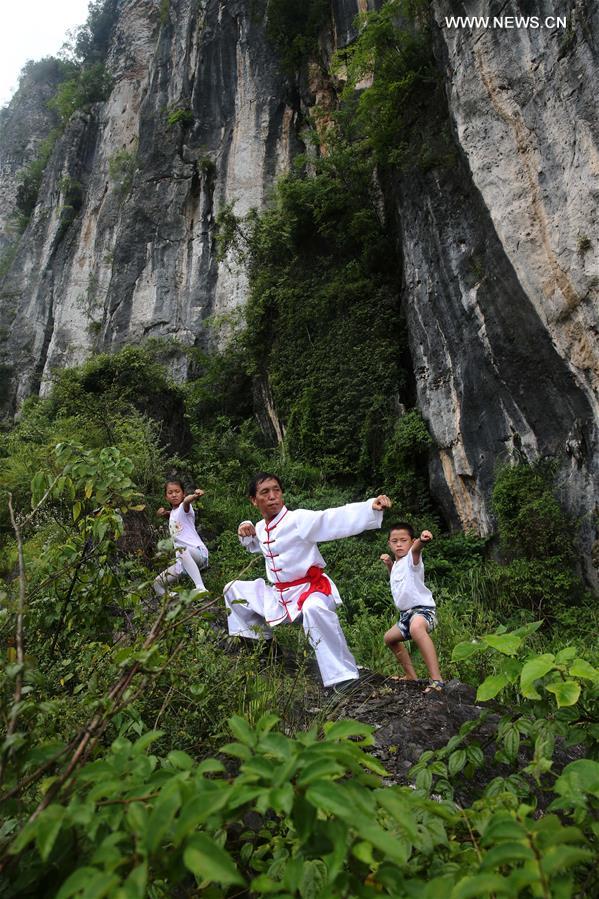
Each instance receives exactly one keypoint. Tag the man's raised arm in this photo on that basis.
(344, 521)
(247, 537)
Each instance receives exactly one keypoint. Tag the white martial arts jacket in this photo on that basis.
(289, 544)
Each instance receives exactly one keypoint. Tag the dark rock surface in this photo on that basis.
(409, 721)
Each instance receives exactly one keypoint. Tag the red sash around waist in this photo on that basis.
(317, 582)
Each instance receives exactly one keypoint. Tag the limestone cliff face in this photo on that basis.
(198, 117)
(499, 249)
(24, 123)
(501, 253)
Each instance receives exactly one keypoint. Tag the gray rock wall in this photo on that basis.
(501, 257)
(138, 260)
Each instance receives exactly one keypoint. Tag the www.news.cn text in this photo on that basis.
(505, 22)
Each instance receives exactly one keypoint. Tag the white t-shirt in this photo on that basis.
(407, 584)
(182, 526)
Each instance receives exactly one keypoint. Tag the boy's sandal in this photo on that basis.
(435, 686)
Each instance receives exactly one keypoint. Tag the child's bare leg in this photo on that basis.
(420, 635)
(394, 640)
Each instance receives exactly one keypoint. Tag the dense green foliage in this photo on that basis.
(91, 84)
(401, 116)
(320, 261)
(134, 823)
(294, 28)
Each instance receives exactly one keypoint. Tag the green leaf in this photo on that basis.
(281, 798)
(238, 750)
(314, 879)
(147, 739)
(456, 761)
(48, 828)
(464, 650)
(100, 885)
(508, 644)
(491, 686)
(303, 816)
(582, 668)
(566, 692)
(266, 722)
(76, 882)
(137, 817)
(534, 669)
(399, 809)
(180, 760)
(242, 731)
(565, 655)
(424, 780)
(341, 730)
(511, 740)
(503, 827)
(507, 853)
(331, 797)
(527, 629)
(212, 766)
(578, 778)
(209, 861)
(557, 858)
(136, 884)
(161, 819)
(480, 885)
(475, 755)
(389, 845)
(265, 884)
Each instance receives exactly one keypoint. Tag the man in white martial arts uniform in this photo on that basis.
(294, 567)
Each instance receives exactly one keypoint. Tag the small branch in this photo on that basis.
(14, 712)
(128, 801)
(83, 558)
(41, 502)
(116, 700)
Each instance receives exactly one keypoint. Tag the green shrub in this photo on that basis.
(121, 168)
(293, 29)
(179, 115)
(531, 521)
(92, 84)
(30, 178)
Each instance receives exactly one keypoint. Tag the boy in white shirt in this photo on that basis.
(191, 552)
(415, 603)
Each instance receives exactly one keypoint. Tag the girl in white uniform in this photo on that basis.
(192, 554)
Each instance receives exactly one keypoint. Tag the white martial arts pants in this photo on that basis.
(189, 559)
(247, 600)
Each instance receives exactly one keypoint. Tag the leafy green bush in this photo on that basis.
(294, 30)
(92, 84)
(394, 97)
(539, 539)
(179, 115)
(121, 168)
(30, 179)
